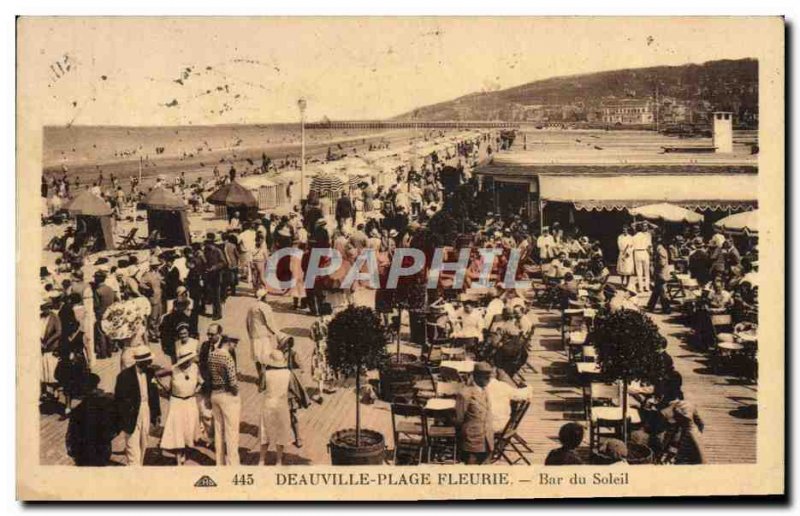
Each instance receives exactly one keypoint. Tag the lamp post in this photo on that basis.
(301, 104)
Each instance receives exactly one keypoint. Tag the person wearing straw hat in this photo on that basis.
(474, 417)
(181, 427)
(138, 406)
(275, 421)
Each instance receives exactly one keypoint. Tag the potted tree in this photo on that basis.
(356, 343)
(629, 348)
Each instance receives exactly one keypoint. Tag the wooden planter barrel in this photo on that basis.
(395, 380)
(371, 451)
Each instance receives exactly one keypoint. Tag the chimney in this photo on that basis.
(723, 131)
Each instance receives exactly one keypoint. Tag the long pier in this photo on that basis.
(412, 124)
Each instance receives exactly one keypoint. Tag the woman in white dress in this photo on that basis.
(182, 425)
(625, 260)
(276, 426)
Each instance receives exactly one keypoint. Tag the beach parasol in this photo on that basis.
(162, 199)
(89, 204)
(667, 212)
(745, 223)
(233, 195)
(326, 183)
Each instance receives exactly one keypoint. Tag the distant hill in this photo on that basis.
(729, 85)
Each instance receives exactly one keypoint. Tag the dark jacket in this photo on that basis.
(344, 208)
(127, 399)
(91, 429)
(172, 280)
(215, 260)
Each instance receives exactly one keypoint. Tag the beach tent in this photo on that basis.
(93, 218)
(667, 212)
(745, 223)
(166, 214)
(232, 197)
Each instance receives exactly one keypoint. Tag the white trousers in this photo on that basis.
(641, 261)
(136, 443)
(227, 410)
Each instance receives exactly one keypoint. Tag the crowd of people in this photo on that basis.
(493, 324)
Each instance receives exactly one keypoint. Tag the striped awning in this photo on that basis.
(622, 192)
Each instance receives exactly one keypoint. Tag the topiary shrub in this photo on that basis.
(356, 341)
(629, 348)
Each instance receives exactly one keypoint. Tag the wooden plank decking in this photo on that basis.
(724, 402)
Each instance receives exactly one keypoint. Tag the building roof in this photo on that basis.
(599, 148)
(620, 191)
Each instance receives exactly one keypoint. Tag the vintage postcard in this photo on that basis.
(399, 258)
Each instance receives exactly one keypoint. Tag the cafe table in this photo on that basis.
(463, 367)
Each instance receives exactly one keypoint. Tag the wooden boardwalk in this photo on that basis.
(725, 404)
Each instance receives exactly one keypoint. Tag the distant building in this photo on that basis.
(627, 112)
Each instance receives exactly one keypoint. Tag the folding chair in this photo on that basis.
(424, 382)
(442, 436)
(129, 240)
(509, 441)
(409, 428)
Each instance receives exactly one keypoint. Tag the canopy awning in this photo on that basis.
(619, 192)
(745, 223)
(667, 212)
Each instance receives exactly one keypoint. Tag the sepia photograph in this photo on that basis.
(263, 249)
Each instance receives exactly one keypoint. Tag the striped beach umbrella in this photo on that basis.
(326, 183)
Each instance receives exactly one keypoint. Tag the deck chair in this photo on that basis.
(409, 429)
(129, 240)
(508, 444)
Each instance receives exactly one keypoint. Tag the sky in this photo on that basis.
(178, 71)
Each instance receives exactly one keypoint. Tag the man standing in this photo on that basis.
(344, 210)
(105, 297)
(225, 403)
(474, 416)
(151, 287)
(262, 332)
(231, 252)
(214, 337)
(661, 271)
(642, 244)
(545, 244)
(172, 280)
(137, 403)
(215, 263)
